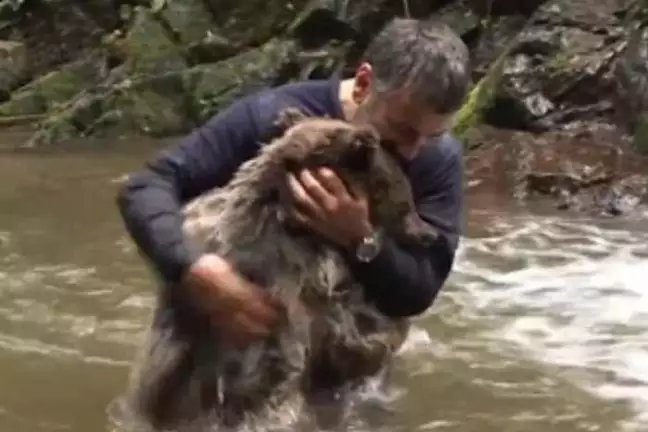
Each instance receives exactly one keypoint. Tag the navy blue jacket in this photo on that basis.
(400, 282)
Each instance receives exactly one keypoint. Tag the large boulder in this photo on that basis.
(149, 46)
(56, 32)
(178, 64)
(167, 103)
(538, 65)
(504, 7)
(215, 85)
(210, 31)
(579, 170)
(53, 89)
(13, 66)
(560, 72)
(631, 74)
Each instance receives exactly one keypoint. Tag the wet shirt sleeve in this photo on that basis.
(151, 199)
(404, 282)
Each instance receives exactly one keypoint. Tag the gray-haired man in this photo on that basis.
(412, 79)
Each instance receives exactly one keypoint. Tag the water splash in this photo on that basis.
(571, 294)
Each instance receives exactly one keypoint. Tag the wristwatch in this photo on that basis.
(369, 247)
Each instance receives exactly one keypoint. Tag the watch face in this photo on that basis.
(367, 251)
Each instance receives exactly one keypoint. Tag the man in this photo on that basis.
(413, 79)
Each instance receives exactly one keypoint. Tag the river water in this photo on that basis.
(542, 326)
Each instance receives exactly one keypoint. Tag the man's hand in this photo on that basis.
(242, 311)
(325, 205)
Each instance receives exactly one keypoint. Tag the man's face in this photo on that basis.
(404, 126)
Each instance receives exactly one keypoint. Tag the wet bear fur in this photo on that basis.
(186, 379)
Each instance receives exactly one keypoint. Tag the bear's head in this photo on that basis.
(354, 152)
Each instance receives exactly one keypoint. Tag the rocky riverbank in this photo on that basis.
(556, 74)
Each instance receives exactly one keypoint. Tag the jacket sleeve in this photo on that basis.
(150, 200)
(404, 282)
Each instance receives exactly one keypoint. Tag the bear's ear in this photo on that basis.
(363, 147)
(289, 117)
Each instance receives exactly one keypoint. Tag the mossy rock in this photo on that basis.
(640, 139)
(73, 119)
(481, 96)
(253, 22)
(52, 90)
(189, 19)
(60, 86)
(213, 86)
(156, 105)
(24, 102)
(163, 104)
(13, 64)
(149, 46)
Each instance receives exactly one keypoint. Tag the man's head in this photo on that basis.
(413, 77)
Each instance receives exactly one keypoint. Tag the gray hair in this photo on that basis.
(428, 57)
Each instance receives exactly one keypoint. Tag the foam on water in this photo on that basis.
(571, 294)
(565, 293)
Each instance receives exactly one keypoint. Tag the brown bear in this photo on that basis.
(185, 379)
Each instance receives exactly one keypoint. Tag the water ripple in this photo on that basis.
(570, 294)
(543, 325)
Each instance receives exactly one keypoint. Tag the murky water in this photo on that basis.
(543, 326)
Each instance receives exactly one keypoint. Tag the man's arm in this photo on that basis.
(406, 283)
(151, 199)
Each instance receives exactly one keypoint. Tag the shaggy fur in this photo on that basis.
(328, 335)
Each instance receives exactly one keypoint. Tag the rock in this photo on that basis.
(163, 104)
(539, 65)
(190, 20)
(640, 137)
(154, 106)
(81, 115)
(580, 171)
(57, 32)
(570, 184)
(460, 18)
(149, 46)
(481, 98)
(59, 86)
(210, 31)
(505, 7)
(24, 102)
(214, 86)
(560, 72)
(631, 73)
(212, 49)
(53, 89)
(13, 66)
(355, 22)
(318, 25)
(253, 22)
(495, 35)
(624, 196)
